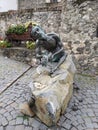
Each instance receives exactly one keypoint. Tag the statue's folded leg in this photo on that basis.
(62, 59)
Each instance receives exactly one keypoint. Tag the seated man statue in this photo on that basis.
(49, 47)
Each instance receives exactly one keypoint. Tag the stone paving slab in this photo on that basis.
(81, 113)
(9, 71)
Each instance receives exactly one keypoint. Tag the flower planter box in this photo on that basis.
(15, 37)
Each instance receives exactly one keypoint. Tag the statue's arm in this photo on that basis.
(38, 53)
(61, 49)
(58, 44)
(38, 50)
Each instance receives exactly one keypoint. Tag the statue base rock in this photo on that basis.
(51, 94)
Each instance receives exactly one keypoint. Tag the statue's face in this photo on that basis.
(37, 32)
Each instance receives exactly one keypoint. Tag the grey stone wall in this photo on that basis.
(78, 31)
(31, 4)
(50, 20)
(27, 4)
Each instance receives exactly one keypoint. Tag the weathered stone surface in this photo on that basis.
(19, 53)
(79, 27)
(25, 109)
(52, 93)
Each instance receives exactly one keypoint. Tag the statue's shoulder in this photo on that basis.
(52, 34)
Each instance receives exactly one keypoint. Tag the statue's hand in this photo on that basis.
(44, 60)
(39, 56)
(52, 70)
(50, 56)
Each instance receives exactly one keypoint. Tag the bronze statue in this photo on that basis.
(49, 47)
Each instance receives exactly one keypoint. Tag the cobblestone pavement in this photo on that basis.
(81, 113)
(9, 71)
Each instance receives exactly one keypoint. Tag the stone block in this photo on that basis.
(51, 94)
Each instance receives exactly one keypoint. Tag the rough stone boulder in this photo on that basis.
(52, 93)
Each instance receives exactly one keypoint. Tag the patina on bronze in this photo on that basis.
(49, 48)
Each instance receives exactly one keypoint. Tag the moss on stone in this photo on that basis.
(25, 117)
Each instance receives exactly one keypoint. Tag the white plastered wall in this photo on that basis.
(6, 5)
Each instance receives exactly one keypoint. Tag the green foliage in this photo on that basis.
(4, 44)
(18, 29)
(30, 45)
